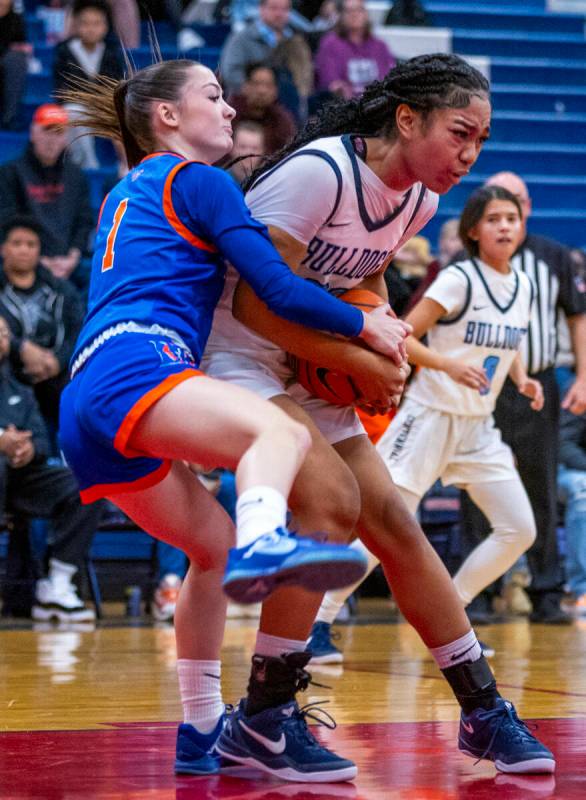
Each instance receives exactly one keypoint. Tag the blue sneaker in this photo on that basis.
(278, 558)
(278, 741)
(323, 651)
(500, 736)
(195, 754)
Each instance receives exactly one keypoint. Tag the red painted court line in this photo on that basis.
(397, 761)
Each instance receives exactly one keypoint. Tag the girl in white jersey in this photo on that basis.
(475, 316)
(339, 201)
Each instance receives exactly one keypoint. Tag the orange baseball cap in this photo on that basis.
(50, 115)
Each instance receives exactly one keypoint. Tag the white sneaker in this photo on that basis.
(166, 596)
(62, 604)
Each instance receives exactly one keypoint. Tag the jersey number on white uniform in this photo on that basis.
(108, 257)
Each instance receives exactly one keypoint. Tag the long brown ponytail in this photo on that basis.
(121, 110)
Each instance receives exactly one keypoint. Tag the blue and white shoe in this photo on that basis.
(195, 753)
(323, 650)
(500, 736)
(278, 741)
(279, 559)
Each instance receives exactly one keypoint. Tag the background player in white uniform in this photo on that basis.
(337, 208)
(475, 315)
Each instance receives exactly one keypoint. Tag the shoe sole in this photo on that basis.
(290, 774)
(317, 576)
(532, 765)
(40, 614)
(329, 658)
(185, 768)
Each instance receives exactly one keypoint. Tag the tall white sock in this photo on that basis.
(466, 648)
(201, 693)
(258, 511)
(333, 601)
(267, 645)
(61, 573)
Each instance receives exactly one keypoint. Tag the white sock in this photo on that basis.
(258, 511)
(267, 645)
(201, 693)
(333, 601)
(466, 648)
(61, 573)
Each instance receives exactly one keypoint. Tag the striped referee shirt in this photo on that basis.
(557, 286)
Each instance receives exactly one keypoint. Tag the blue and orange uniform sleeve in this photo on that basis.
(210, 205)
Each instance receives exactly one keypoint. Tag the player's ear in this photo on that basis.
(473, 233)
(406, 120)
(167, 113)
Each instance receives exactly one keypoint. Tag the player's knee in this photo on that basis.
(528, 533)
(329, 502)
(301, 435)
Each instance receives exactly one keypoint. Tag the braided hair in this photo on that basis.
(424, 83)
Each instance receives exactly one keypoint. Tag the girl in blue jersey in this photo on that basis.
(138, 408)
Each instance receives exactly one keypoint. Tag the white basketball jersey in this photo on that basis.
(327, 198)
(485, 328)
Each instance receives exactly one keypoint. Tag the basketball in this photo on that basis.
(335, 387)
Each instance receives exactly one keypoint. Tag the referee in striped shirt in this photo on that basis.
(534, 437)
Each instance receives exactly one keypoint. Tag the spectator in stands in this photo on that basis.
(534, 437)
(268, 39)
(407, 12)
(258, 101)
(449, 243)
(249, 146)
(572, 490)
(350, 57)
(29, 486)
(43, 184)
(86, 54)
(14, 52)
(44, 314)
(125, 18)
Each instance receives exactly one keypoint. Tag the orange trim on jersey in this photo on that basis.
(172, 217)
(142, 405)
(100, 490)
(101, 210)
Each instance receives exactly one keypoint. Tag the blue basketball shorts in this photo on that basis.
(104, 402)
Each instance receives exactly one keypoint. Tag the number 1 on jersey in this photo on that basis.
(108, 257)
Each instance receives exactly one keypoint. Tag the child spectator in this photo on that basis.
(258, 102)
(350, 57)
(86, 54)
(14, 50)
(44, 314)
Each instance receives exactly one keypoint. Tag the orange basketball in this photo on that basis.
(328, 384)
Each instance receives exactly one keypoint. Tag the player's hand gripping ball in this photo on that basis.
(336, 387)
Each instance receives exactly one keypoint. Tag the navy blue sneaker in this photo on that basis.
(323, 651)
(278, 558)
(278, 741)
(195, 753)
(500, 736)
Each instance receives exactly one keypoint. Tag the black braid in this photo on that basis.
(424, 83)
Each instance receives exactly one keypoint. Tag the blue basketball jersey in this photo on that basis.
(148, 266)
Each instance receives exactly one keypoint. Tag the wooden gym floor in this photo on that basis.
(92, 714)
